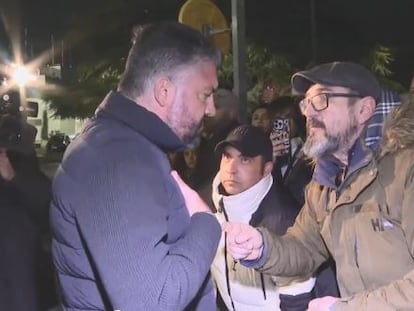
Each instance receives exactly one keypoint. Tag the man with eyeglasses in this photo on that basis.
(359, 205)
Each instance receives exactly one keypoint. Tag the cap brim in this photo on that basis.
(219, 147)
(235, 144)
(301, 83)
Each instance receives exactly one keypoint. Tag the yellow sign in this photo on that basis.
(206, 17)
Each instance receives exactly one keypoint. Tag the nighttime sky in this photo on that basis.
(346, 29)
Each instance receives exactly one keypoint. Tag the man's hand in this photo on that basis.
(243, 241)
(6, 169)
(192, 200)
(322, 304)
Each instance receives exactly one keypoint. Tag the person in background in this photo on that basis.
(174, 159)
(215, 129)
(124, 238)
(262, 118)
(245, 191)
(191, 171)
(25, 194)
(270, 92)
(295, 169)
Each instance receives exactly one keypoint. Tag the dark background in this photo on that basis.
(346, 30)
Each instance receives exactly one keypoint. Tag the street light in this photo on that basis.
(21, 75)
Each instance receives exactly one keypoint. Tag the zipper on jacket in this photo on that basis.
(227, 270)
(356, 253)
(263, 286)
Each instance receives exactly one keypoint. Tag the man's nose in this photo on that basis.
(308, 111)
(232, 166)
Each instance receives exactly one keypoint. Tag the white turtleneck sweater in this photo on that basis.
(245, 283)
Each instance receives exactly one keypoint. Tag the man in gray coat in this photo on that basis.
(123, 236)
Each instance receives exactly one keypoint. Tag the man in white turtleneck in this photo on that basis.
(244, 191)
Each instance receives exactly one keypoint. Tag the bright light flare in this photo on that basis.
(21, 75)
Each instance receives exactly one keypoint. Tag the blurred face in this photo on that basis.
(226, 112)
(193, 99)
(238, 173)
(210, 123)
(172, 156)
(333, 128)
(270, 92)
(261, 118)
(190, 158)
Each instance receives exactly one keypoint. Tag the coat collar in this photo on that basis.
(328, 167)
(123, 110)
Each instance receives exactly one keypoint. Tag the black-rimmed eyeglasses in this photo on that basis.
(320, 101)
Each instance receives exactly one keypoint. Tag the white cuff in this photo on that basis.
(297, 288)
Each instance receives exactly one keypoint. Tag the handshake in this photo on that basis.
(243, 241)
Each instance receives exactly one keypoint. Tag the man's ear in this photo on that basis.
(268, 167)
(164, 91)
(366, 109)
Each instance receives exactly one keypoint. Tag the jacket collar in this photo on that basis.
(328, 167)
(243, 205)
(123, 110)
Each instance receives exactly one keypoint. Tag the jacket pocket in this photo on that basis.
(374, 242)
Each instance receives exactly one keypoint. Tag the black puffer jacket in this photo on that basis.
(24, 203)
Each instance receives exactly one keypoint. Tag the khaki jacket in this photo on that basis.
(368, 227)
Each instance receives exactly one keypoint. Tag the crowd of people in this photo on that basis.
(198, 163)
(165, 201)
(26, 272)
(298, 210)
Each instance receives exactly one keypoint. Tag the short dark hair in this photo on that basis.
(160, 49)
(261, 106)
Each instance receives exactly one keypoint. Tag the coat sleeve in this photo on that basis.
(125, 222)
(297, 253)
